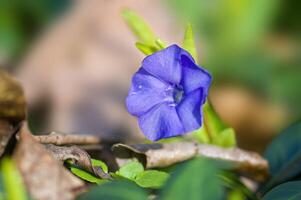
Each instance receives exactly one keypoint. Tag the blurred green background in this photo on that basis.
(251, 42)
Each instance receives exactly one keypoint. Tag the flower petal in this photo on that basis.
(165, 64)
(193, 76)
(146, 91)
(189, 110)
(161, 121)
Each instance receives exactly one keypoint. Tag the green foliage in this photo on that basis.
(214, 131)
(99, 163)
(86, 175)
(116, 190)
(130, 170)
(147, 43)
(134, 171)
(13, 185)
(189, 43)
(139, 27)
(237, 190)
(285, 191)
(21, 20)
(235, 195)
(146, 49)
(160, 44)
(283, 155)
(194, 180)
(235, 34)
(151, 179)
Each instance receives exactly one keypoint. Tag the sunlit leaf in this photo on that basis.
(189, 42)
(12, 180)
(130, 170)
(214, 131)
(151, 179)
(139, 27)
(160, 44)
(146, 49)
(99, 163)
(86, 176)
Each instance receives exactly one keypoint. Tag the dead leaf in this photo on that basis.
(165, 154)
(44, 176)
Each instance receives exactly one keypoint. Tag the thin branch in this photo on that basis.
(66, 139)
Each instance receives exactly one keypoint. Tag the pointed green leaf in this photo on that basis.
(99, 163)
(139, 27)
(226, 138)
(160, 44)
(130, 170)
(201, 135)
(86, 176)
(189, 42)
(13, 184)
(219, 133)
(146, 49)
(151, 179)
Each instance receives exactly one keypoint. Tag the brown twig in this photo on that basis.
(66, 139)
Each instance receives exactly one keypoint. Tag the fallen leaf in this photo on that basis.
(44, 176)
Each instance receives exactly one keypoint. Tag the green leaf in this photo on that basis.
(130, 170)
(99, 163)
(227, 138)
(284, 156)
(115, 190)
(189, 43)
(194, 180)
(146, 49)
(139, 27)
(13, 184)
(201, 135)
(86, 176)
(160, 44)
(235, 195)
(214, 131)
(237, 190)
(151, 179)
(285, 191)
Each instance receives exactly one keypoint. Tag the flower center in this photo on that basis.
(178, 93)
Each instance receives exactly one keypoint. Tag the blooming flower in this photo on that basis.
(167, 93)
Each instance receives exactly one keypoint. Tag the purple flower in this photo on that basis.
(167, 93)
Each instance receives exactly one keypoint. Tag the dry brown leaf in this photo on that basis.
(165, 154)
(44, 177)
